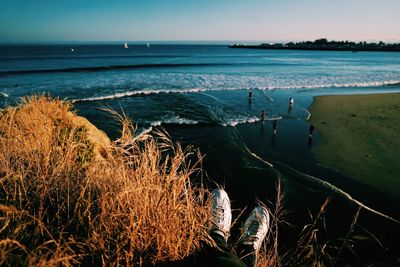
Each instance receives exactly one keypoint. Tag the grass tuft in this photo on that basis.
(62, 206)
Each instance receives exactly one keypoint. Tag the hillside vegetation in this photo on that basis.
(68, 195)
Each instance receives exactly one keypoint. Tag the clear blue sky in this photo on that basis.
(149, 20)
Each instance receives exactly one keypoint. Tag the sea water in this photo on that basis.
(200, 94)
(187, 84)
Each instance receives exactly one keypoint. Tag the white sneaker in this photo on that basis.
(221, 215)
(255, 228)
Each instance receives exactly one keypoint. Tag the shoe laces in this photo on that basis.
(253, 230)
(218, 213)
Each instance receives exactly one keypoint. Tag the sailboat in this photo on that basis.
(148, 44)
(126, 45)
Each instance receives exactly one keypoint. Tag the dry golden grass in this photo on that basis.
(269, 254)
(315, 247)
(61, 206)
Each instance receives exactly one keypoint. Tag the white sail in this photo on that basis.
(125, 45)
(148, 44)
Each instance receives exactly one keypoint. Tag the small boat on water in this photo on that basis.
(72, 50)
(148, 44)
(126, 45)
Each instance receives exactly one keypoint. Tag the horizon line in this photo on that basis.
(200, 42)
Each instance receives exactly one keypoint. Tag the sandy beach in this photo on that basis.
(360, 137)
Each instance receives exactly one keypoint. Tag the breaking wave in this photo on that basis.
(148, 92)
(198, 90)
(174, 120)
(240, 120)
(177, 120)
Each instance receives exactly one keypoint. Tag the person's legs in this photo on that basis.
(219, 258)
(219, 240)
(247, 255)
(219, 229)
(255, 229)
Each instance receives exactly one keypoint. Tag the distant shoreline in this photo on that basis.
(314, 49)
(325, 45)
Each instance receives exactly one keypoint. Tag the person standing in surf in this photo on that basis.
(291, 104)
(263, 114)
(274, 127)
(311, 131)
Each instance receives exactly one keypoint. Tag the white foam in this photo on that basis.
(332, 85)
(176, 119)
(241, 120)
(179, 120)
(156, 123)
(272, 118)
(140, 92)
(144, 131)
(3, 94)
(308, 114)
(296, 84)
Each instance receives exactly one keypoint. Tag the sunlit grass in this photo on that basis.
(61, 205)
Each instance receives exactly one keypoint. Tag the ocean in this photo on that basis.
(200, 95)
(187, 84)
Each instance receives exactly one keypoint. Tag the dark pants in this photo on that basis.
(221, 256)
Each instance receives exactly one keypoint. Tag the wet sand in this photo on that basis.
(360, 137)
(229, 162)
